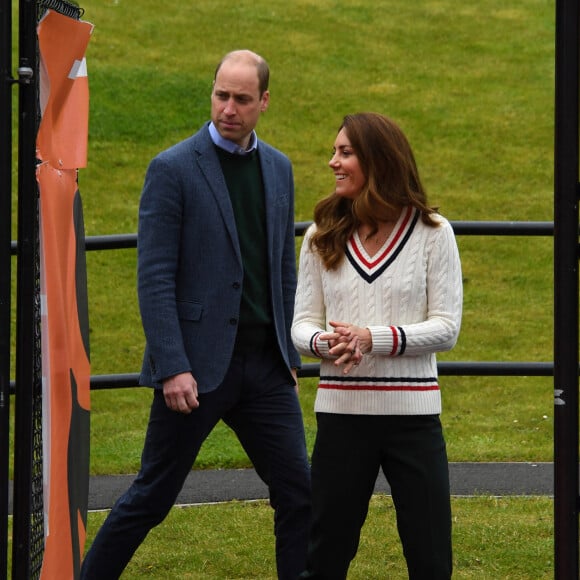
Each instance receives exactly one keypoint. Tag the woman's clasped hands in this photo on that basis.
(348, 343)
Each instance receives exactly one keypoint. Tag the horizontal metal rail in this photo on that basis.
(308, 370)
(484, 228)
(461, 228)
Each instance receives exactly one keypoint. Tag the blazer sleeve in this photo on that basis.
(279, 189)
(289, 281)
(159, 233)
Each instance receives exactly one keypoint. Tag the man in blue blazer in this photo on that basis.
(216, 284)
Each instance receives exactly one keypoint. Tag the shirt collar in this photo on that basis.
(230, 146)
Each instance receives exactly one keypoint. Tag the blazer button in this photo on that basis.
(236, 285)
(233, 321)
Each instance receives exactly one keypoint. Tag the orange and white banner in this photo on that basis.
(61, 150)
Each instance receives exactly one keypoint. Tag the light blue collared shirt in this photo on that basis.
(230, 146)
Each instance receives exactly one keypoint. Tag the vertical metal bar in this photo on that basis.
(28, 235)
(5, 268)
(566, 291)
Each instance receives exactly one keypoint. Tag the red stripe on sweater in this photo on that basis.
(395, 340)
(341, 387)
(390, 246)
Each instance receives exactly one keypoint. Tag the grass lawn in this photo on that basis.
(494, 538)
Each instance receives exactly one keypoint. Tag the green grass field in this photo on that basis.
(494, 538)
(472, 85)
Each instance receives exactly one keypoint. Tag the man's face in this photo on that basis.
(236, 102)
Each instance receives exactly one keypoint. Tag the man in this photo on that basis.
(216, 284)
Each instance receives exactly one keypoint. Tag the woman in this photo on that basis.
(379, 293)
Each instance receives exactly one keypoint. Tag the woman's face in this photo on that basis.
(350, 179)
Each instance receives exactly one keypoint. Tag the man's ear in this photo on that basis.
(265, 101)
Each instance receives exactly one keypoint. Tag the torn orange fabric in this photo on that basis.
(61, 150)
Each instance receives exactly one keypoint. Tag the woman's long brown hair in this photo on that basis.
(392, 182)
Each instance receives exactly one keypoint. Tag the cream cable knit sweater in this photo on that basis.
(409, 295)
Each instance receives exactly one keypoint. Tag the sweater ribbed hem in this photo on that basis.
(361, 402)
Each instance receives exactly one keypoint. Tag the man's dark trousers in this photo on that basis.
(258, 401)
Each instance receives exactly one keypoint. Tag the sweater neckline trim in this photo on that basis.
(371, 268)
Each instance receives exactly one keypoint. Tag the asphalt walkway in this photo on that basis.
(211, 486)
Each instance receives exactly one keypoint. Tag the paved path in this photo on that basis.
(210, 486)
(243, 484)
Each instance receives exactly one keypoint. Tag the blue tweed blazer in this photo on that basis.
(189, 270)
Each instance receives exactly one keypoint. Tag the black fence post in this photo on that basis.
(27, 274)
(6, 82)
(566, 292)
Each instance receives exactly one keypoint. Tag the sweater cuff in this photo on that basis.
(319, 348)
(388, 340)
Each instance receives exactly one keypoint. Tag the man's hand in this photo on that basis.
(296, 385)
(180, 392)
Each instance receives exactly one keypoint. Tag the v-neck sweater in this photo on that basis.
(409, 295)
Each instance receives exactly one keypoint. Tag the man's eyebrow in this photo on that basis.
(235, 95)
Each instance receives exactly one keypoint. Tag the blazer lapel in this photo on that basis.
(269, 181)
(209, 165)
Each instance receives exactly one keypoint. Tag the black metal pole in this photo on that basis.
(566, 292)
(6, 82)
(28, 235)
